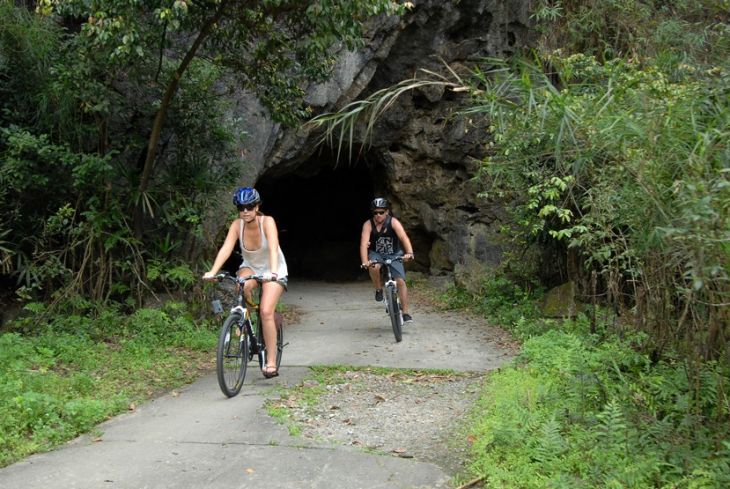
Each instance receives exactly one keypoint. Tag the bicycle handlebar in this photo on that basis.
(386, 261)
(238, 280)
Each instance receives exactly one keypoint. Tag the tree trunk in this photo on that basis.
(161, 115)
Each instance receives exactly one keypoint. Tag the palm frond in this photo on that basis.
(341, 126)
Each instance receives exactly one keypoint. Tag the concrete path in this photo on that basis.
(196, 438)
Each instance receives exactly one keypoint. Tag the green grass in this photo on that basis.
(72, 373)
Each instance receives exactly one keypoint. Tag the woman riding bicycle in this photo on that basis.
(258, 238)
(382, 237)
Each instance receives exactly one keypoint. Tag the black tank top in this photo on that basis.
(385, 242)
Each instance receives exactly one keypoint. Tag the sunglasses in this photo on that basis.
(248, 207)
(379, 213)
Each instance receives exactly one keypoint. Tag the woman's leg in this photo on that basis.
(248, 287)
(270, 295)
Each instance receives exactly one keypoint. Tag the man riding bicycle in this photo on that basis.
(383, 237)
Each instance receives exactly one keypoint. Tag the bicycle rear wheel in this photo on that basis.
(396, 318)
(232, 355)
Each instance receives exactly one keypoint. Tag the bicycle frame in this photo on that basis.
(392, 300)
(256, 337)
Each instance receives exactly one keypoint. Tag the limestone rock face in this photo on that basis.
(420, 156)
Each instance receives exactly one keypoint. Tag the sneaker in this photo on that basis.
(379, 295)
(407, 318)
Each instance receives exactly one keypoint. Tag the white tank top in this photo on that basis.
(258, 260)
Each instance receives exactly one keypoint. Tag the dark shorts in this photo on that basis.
(396, 268)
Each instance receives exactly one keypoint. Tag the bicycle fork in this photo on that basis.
(391, 292)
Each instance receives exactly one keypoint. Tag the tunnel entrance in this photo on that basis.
(319, 209)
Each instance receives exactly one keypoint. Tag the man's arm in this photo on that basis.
(403, 237)
(364, 243)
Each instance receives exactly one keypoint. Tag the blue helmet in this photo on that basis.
(246, 196)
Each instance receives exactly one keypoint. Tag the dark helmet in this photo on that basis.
(379, 203)
(246, 196)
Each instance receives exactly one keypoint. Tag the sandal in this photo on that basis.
(270, 371)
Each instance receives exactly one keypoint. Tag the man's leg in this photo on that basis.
(403, 294)
(374, 272)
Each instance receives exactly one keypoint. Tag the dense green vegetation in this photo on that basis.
(618, 126)
(116, 135)
(585, 406)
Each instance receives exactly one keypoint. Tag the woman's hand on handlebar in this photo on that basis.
(214, 277)
(409, 257)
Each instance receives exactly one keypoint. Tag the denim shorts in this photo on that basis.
(396, 268)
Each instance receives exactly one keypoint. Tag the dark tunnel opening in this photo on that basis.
(319, 209)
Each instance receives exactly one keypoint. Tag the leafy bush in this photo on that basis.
(500, 298)
(70, 138)
(626, 168)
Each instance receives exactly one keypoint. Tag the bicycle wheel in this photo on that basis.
(279, 346)
(396, 319)
(231, 355)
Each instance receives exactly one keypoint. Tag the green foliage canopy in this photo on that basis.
(125, 132)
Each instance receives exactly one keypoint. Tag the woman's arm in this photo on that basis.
(226, 249)
(272, 236)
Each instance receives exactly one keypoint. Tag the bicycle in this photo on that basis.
(390, 293)
(241, 338)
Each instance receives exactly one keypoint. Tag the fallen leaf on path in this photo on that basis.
(250, 471)
(132, 406)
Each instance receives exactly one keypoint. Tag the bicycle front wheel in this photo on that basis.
(232, 355)
(396, 318)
